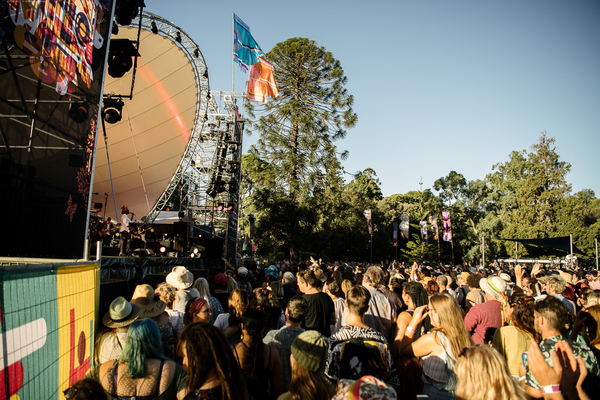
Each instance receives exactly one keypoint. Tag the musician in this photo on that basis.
(106, 232)
(124, 230)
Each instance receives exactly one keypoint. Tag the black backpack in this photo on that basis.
(360, 357)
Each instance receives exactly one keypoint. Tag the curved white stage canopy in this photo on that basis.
(146, 147)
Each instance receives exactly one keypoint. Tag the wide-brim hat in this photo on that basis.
(567, 276)
(151, 304)
(493, 285)
(180, 278)
(506, 277)
(242, 271)
(121, 313)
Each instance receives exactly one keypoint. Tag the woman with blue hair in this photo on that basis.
(142, 371)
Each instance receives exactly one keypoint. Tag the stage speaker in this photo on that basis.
(214, 248)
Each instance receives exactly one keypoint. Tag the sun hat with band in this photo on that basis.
(121, 313)
(150, 303)
(493, 285)
(180, 278)
(310, 350)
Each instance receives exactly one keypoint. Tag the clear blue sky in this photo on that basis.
(438, 85)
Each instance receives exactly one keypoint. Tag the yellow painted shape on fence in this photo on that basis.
(77, 292)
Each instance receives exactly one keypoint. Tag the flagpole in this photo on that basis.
(232, 52)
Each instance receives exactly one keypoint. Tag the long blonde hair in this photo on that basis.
(483, 375)
(451, 323)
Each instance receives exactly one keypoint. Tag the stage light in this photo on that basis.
(115, 29)
(233, 186)
(120, 56)
(162, 249)
(154, 28)
(205, 118)
(178, 37)
(230, 207)
(197, 53)
(111, 110)
(220, 207)
(78, 111)
(127, 10)
(205, 74)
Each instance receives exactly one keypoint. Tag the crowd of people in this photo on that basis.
(317, 330)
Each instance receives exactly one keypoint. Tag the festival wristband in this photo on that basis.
(410, 330)
(550, 389)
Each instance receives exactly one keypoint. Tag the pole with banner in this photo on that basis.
(370, 227)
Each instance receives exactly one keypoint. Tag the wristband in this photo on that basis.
(550, 389)
(410, 330)
(522, 378)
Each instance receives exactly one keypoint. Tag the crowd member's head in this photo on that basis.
(296, 309)
(253, 323)
(121, 313)
(346, 285)
(167, 294)
(333, 288)
(555, 285)
(592, 299)
(143, 342)
(357, 300)
(220, 280)
(260, 296)
(442, 282)
(551, 317)
(288, 278)
(273, 312)
(414, 295)
(473, 281)
(309, 354)
(207, 355)
(592, 324)
(201, 284)
(276, 289)
(521, 314)
(197, 310)
(446, 316)
(238, 303)
(483, 374)
(366, 388)
(306, 280)
(432, 287)
(374, 277)
(88, 389)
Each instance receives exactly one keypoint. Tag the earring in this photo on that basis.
(242, 337)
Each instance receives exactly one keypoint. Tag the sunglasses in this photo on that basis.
(83, 393)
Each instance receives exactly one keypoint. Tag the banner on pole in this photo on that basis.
(434, 227)
(404, 226)
(395, 234)
(447, 227)
(424, 231)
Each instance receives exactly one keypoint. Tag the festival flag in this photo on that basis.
(447, 228)
(395, 234)
(245, 49)
(404, 225)
(262, 82)
(434, 227)
(424, 231)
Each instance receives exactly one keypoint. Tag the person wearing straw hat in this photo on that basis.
(153, 307)
(120, 315)
(483, 319)
(182, 279)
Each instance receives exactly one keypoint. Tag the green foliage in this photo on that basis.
(368, 184)
(294, 171)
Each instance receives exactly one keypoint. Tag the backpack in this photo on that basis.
(360, 357)
(449, 366)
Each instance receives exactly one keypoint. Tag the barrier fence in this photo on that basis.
(48, 316)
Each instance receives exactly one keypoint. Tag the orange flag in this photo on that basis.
(262, 82)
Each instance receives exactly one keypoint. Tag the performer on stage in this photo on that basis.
(106, 232)
(124, 230)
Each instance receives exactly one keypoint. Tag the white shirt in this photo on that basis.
(124, 223)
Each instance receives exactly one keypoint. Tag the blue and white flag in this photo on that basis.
(245, 49)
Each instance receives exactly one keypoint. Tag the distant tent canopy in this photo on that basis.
(560, 243)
